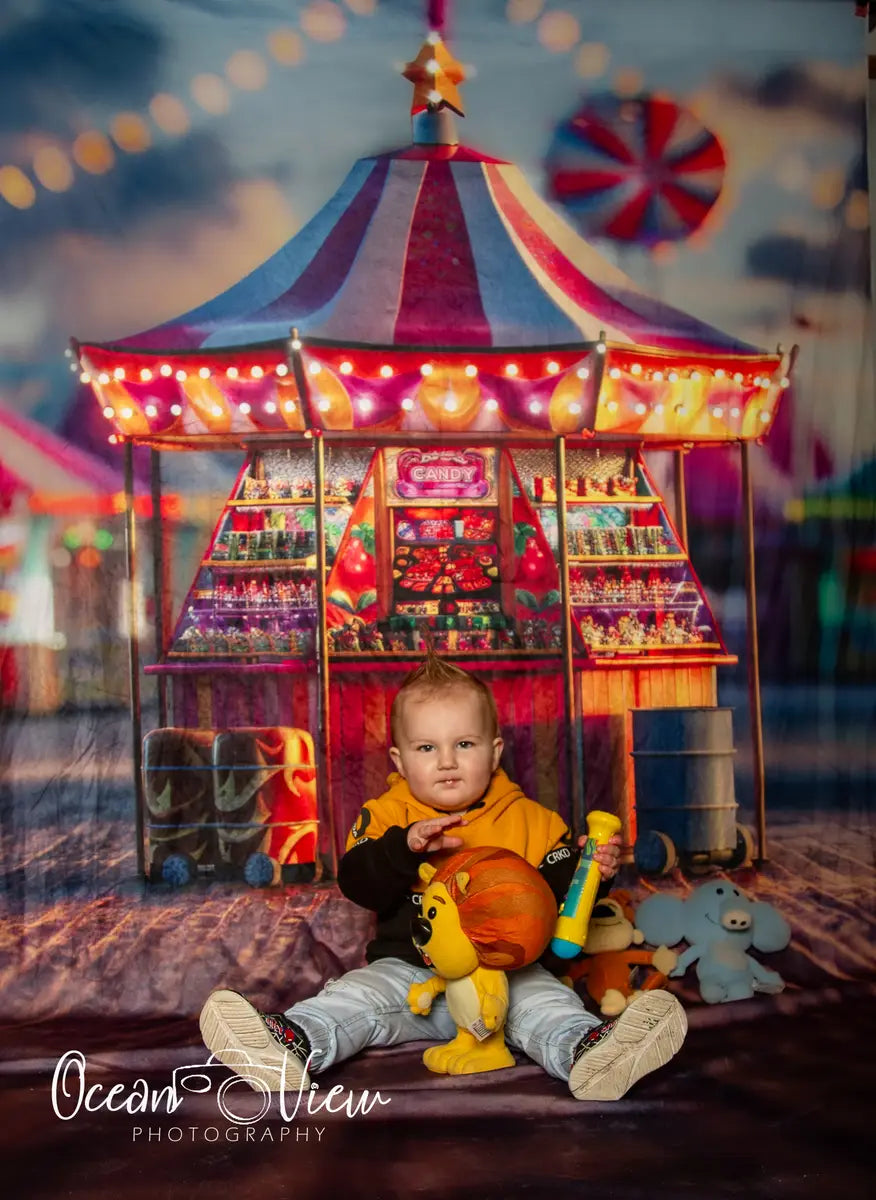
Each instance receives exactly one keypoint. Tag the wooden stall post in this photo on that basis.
(754, 700)
(680, 497)
(574, 752)
(323, 738)
(160, 565)
(134, 656)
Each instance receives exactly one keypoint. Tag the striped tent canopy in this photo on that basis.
(436, 246)
(438, 261)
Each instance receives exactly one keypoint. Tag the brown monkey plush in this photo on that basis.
(609, 961)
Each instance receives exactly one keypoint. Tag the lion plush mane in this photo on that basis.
(507, 911)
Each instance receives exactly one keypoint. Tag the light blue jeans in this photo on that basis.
(369, 1007)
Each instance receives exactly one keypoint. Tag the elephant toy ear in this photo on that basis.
(661, 920)
(771, 930)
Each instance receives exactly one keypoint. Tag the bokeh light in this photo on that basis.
(169, 114)
(130, 133)
(591, 60)
(628, 81)
(15, 187)
(521, 11)
(247, 70)
(286, 47)
(53, 168)
(362, 8)
(210, 92)
(793, 172)
(828, 187)
(93, 152)
(857, 210)
(559, 31)
(324, 21)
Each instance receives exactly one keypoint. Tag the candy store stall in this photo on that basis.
(442, 442)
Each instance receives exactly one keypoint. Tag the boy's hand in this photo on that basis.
(606, 857)
(425, 837)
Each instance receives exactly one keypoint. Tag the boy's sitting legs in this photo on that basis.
(365, 1007)
(601, 1061)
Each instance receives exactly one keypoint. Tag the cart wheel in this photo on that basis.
(178, 870)
(743, 852)
(654, 853)
(258, 870)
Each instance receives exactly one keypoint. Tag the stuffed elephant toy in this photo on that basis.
(720, 924)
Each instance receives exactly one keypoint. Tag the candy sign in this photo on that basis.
(442, 475)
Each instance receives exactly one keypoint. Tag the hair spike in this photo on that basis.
(436, 674)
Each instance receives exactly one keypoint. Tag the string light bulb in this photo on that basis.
(232, 372)
(204, 372)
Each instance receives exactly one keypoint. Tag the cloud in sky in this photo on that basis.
(73, 53)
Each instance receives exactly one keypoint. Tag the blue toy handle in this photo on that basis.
(570, 932)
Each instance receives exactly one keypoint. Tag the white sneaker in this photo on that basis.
(613, 1056)
(265, 1049)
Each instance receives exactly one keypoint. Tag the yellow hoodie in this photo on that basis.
(504, 817)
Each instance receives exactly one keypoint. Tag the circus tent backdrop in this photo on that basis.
(436, 248)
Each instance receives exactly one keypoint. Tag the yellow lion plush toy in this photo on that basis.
(484, 911)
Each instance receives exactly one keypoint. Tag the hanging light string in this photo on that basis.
(53, 167)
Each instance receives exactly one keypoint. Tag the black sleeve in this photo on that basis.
(377, 873)
(558, 867)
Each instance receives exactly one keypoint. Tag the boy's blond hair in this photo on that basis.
(435, 675)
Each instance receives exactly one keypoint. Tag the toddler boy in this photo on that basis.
(449, 791)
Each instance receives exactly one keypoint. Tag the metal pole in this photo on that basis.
(134, 656)
(680, 497)
(158, 579)
(756, 716)
(324, 741)
(574, 756)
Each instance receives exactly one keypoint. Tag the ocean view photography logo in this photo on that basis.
(73, 1093)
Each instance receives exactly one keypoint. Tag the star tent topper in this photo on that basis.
(435, 74)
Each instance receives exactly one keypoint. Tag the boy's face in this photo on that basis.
(446, 747)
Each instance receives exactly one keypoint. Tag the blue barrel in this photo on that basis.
(683, 763)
